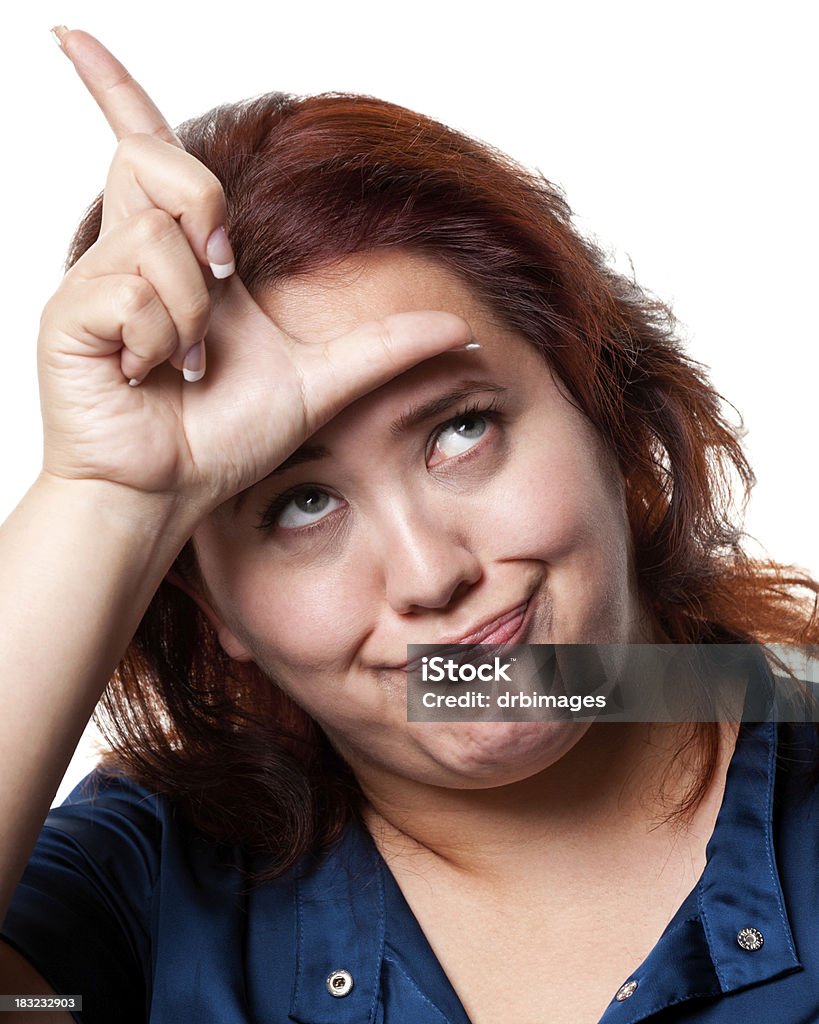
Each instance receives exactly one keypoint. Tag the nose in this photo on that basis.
(427, 562)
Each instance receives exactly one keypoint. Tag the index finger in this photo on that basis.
(128, 109)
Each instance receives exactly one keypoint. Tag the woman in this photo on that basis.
(334, 381)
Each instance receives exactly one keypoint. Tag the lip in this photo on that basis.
(500, 624)
(501, 629)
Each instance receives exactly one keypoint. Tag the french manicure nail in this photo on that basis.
(220, 254)
(134, 382)
(58, 32)
(193, 369)
(472, 345)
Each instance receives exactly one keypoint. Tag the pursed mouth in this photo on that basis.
(504, 624)
(504, 629)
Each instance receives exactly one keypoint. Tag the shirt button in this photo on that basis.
(339, 983)
(626, 991)
(750, 939)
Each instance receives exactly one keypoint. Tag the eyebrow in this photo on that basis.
(413, 417)
(418, 414)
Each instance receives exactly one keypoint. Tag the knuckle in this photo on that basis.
(128, 149)
(63, 303)
(164, 344)
(207, 190)
(383, 335)
(153, 345)
(153, 225)
(124, 77)
(123, 152)
(150, 350)
(134, 296)
(196, 309)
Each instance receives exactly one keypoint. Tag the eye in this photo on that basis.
(301, 508)
(460, 434)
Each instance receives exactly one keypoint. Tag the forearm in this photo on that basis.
(79, 563)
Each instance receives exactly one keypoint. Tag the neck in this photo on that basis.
(618, 781)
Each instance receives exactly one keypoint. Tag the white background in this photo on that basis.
(684, 136)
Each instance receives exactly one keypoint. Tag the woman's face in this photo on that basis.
(463, 490)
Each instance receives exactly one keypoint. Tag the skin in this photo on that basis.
(422, 536)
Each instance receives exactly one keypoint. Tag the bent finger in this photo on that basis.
(146, 174)
(152, 245)
(117, 314)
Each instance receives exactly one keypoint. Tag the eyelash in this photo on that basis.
(487, 410)
(267, 517)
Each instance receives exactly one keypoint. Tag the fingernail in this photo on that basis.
(220, 254)
(193, 369)
(134, 382)
(58, 32)
(471, 345)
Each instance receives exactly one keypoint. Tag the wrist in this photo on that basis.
(140, 515)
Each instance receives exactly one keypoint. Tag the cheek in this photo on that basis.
(555, 504)
(551, 502)
(302, 620)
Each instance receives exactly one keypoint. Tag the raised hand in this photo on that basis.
(149, 299)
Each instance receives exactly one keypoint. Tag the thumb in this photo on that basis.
(323, 377)
(337, 372)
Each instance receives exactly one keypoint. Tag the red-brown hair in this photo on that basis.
(310, 181)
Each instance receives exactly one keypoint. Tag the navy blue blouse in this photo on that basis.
(124, 903)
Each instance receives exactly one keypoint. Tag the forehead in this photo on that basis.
(321, 305)
(330, 302)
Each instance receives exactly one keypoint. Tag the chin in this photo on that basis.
(496, 753)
